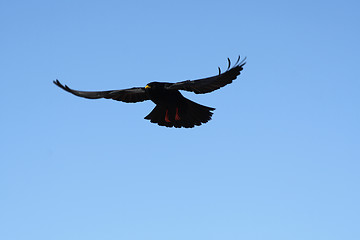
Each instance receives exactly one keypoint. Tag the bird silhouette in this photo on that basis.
(172, 108)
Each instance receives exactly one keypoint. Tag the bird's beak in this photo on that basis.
(147, 86)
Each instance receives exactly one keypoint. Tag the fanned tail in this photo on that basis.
(186, 114)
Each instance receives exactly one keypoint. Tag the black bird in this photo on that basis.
(172, 109)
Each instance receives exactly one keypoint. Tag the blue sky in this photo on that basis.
(279, 160)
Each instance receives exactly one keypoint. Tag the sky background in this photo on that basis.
(279, 160)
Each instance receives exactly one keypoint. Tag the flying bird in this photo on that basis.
(172, 108)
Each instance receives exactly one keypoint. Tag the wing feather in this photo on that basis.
(213, 83)
(131, 95)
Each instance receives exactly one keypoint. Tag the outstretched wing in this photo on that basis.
(131, 95)
(210, 84)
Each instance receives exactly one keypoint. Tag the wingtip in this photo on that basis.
(58, 83)
(243, 62)
(237, 61)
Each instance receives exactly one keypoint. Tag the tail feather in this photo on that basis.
(190, 113)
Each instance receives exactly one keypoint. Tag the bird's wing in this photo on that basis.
(213, 83)
(131, 95)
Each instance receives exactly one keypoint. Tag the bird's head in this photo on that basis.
(154, 86)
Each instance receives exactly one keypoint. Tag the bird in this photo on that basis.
(172, 109)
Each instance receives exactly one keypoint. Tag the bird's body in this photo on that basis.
(159, 93)
(172, 108)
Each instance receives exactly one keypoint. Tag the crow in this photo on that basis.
(172, 108)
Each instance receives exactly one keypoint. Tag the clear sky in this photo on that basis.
(278, 161)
